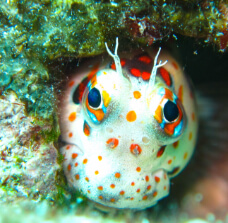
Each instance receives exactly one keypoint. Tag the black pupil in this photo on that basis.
(94, 98)
(170, 111)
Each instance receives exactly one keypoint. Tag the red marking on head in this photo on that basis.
(193, 116)
(135, 72)
(69, 167)
(72, 116)
(165, 76)
(145, 59)
(86, 129)
(71, 84)
(122, 62)
(138, 190)
(117, 175)
(180, 93)
(122, 192)
(113, 66)
(175, 65)
(81, 87)
(135, 149)
(148, 187)
(112, 143)
(147, 178)
(77, 176)
(138, 169)
(112, 186)
(157, 179)
(145, 75)
(76, 164)
(131, 198)
(175, 144)
(132, 183)
(144, 197)
(68, 147)
(161, 151)
(100, 197)
(131, 116)
(70, 134)
(112, 200)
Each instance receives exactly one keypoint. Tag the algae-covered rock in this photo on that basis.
(28, 162)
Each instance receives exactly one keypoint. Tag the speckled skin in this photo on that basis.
(126, 159)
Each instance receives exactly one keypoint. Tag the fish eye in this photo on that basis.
(94, 98)
(170, 111)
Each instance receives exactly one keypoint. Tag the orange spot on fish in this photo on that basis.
(100, 188)
(112, 186)
(70, 134)
(132, 183)
(77, 177)
(69, 167)
(122, 192)
(85, 161)
(96, 172)
(135, 149)
(86, 129)
(99, 158)
(155, 193)
(138, 169)
(74, 155)
(148, 187)
(147, 178)
(175, 144)
(112, 143)
(190, 136)
(161, 151)
(157, 179)
(131, 116)
(117, 175)
(137, 94)
(144, 197)
(72, 116)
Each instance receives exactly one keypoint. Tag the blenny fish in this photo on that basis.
(129, 126)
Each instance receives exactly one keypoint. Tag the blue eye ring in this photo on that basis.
(94, 98)
(170, 111)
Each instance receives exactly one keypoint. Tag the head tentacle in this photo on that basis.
(155, 67)
(115, 57)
